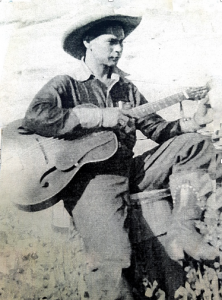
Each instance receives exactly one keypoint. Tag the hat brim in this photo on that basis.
(73, 43)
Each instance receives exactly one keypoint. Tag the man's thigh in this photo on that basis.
(152, 169)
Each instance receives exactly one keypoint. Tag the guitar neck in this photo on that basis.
(149, 108)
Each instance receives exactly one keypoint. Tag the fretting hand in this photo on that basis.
(204, 114)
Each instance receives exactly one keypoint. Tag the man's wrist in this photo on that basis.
(201, 125)
(189, 125)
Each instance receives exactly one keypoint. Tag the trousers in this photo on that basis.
(98, 199)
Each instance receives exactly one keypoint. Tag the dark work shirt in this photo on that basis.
(51, 111)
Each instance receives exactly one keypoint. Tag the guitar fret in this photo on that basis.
(171, 100)
(157, 105)
(146, 109)
(168, 102)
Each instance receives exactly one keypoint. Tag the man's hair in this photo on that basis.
(99, 29)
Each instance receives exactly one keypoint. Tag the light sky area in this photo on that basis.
(178, 44)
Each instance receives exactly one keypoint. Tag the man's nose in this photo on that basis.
(118, 48)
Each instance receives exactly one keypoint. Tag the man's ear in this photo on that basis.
(86, 44)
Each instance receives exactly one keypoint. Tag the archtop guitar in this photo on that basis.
(36, 168)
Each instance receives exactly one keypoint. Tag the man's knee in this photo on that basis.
(192, 138)
(194, 147)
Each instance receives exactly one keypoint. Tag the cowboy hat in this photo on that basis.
(73, 38)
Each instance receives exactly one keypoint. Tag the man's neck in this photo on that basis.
(100, 71)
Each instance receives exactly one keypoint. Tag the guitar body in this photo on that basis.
(35, 168)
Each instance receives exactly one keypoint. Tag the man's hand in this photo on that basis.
(215, 94)
(203, 116)
(204, 113)
(113, 116)
(196, 93)
(91, 116)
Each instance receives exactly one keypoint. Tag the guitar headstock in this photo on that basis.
(196, 93)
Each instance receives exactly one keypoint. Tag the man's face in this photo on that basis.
(107, 48)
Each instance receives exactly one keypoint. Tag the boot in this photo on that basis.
(189, 192)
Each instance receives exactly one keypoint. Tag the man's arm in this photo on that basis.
(57, 110)
(156, 128)
(51, 111)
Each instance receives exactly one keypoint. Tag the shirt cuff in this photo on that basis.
(89, 117)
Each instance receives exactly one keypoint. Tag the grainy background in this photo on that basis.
(178, 44)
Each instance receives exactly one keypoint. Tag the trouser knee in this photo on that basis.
(193, 138)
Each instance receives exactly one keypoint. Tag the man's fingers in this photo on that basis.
(127, 105)
(205, 100)
(201, 94)
(128, 113)
(123, 120)
(205, 92)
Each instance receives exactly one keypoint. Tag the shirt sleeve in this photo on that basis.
(154, 126)
(50, 112)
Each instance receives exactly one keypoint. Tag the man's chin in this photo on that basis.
(112, 63)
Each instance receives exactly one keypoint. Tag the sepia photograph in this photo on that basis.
(110, 150)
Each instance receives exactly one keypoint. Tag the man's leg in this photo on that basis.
(187, 152)
(150, 171)
(99, 216)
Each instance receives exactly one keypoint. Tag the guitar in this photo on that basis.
(36, 168)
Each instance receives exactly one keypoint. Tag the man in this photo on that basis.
(98, 196)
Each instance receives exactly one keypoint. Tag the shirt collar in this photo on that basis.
(83, 73)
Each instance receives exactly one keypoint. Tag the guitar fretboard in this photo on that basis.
(149, 108)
